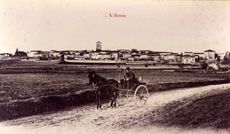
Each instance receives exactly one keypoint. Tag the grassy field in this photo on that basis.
(23, 86)
(209, 110)
(27, 85)
(23, 80)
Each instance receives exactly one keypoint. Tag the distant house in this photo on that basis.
(199, 56)
(143, 55)
(173, 58)
(105, 55)
(125, 54)
(113, 54)
(188, 53)
(95, 55)
(210, 54)
(144, 51)
(162, 54)
(89, 51)
(82, 52)
(55, 54)
(135, 56)
(35, 54)
(20, 54)
(64, 52)
(78, 55)
(87, 55)
(221, 56)
(227, 56)
(187, 59)
(4, 56)
(31, 54)
(154, 56)
(45, 55)
(131, 59)
(70, 56)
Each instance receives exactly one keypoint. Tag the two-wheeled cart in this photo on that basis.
(138, 94)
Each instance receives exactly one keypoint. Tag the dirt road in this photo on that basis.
(124, 119)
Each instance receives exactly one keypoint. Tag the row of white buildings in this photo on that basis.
(123, 54)
(130, 55)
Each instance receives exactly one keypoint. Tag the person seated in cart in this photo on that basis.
(129, 77)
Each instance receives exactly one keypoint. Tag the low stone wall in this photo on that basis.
(21, 108)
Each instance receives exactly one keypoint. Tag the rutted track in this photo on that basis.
(87, 119)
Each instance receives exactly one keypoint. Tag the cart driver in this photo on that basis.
(129, 78)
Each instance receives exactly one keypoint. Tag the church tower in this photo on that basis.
(98, 46)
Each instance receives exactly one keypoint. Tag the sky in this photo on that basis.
(175, 26)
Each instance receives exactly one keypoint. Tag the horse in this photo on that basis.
(103, 85)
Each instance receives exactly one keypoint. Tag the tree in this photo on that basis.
(134, 50)
(227, 58)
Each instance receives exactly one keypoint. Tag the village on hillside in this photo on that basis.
(121, 55)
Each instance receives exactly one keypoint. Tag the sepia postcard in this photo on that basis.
(114, 67)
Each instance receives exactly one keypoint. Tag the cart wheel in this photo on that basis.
(141, 95)
(122, 98)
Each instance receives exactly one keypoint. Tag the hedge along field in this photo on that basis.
(34, 85)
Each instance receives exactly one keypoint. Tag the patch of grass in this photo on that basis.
(211, 110)
(24, 86)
